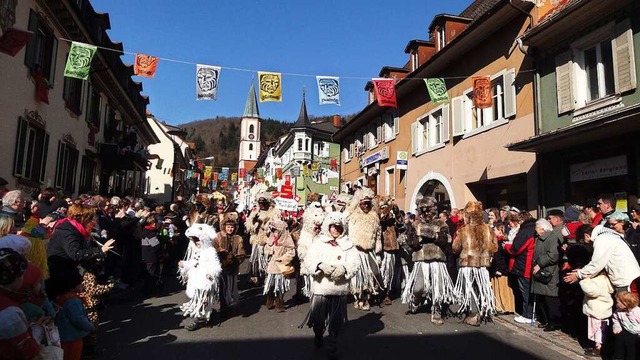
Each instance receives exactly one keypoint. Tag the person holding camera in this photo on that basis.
(546, 271)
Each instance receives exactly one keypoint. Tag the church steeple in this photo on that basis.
(251, 107)
(303, 117)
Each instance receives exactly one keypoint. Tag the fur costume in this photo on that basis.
(342, 203)
(332, 263)
(476, 243)
(280, 250)
(257, 228)
(311, 226)
(365, 233)
(201, 271)
(429, 280)
(231, 253)
(390, 244)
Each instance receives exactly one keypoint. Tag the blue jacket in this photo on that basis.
(72, 320)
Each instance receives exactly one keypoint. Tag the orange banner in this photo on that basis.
(278, 173)
(482, 92)
(145, 65)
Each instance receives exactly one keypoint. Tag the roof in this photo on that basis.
(558, 8)
(303, 117)
(478, 8)
(415, 43)
(390, 69)
(445, 17)
(251, 107)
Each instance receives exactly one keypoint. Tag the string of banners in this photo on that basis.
(270, 83)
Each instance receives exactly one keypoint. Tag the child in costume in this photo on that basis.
(230, 248)
(201, 271)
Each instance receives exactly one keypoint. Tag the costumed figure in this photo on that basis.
(311, 225)
(429, 280)
(201, 271)
(257, 228)
(280, 250)
(341, 204)
(476, 243)
(231, 253)
(364, 231)
(406, 264)
(332, 260)
(390, 246)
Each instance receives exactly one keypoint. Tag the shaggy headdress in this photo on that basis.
(334, 218)
(428, 206)
(473, 213)
(202, 232)
(264, 195)
(313, 197)
(364, 194)
(230, 218)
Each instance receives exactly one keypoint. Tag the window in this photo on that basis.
(430, 130)
(87, 175)
(319, 148)
(250, 147)
(466, 117)
(414, 60)
(72, 94)
(66, 167)
(371, 134)
(389, 126)
(30, 157)
(442, 40)
(299, 144)
(251, 128)
(41, 49)
(93, 106)
(111, 126)
(306, 145)
(596, 69)
(389, 182)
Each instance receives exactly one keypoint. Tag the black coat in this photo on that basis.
(67, 248)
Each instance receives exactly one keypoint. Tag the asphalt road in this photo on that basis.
(152, 328)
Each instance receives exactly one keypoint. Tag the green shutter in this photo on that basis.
(18, 159)
(29, 59)
(45, 152)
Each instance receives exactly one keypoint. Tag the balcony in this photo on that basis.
(301, 156)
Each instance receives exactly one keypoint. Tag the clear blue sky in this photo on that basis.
(324, 37)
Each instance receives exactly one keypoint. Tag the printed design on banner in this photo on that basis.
(145, 65)
(207, 81)
(482, 93)
(79, 60)
(270, 86)
(328, 90)
(437, 90)
(224, 174)
(385, 90)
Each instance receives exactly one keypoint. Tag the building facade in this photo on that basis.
(76, 136)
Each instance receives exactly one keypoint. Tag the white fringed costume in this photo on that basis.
(201, 271)
(311, 226)
(429, 281)
(476, 243)
(281, 250)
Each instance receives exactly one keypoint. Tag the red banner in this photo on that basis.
(13, 40)
(334, 165)
(145, 65)
(286, 191)
(287, 179)
(482, 92)
(243, 173)
(385, 90)
(215, 176)
(278, 173)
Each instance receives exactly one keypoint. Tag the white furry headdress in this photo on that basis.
(334, 218)
(202, 232)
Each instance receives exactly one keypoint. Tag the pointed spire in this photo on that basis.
(303, 118)
(251, 107)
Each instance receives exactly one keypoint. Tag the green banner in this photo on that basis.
(437, 90)
(79, 61)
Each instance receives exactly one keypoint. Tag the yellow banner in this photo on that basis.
(270, 86)
(207, 172)
(234, 176)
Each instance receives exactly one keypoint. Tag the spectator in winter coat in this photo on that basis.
(546, 259)
(598, 306)
(72, 320)
(521, 251)
(499, 271)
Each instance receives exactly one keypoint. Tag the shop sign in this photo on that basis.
(402, 160)
(286, 204)
(375, 157)
(599, 169)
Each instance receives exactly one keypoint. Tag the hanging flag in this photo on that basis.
(189, 174)
(334, 165)
(278, 173)
(287, 179)
(385, 90)
(79, 60)
(295, 171)
(315, 166)
(214, 185)
(260, 173)
(208, 170)
(225, 184)
(13, 40)
(243, 173)
(328, 89)
(204, 182)
(437, 90)
(305, 170)
(234, 176)
(216, 176)
(145, 65)
(225, 174)
(207, 77)
(42, 87)
(196, 175)
(482, 94)
(270, 86)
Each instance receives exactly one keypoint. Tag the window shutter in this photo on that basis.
(445, 124)
(59, 165)
(414, 143)
(396, 124)
(54, 56)
(509, 80)
(564, 74)
(45, 152)
(624, 67)
(30, 53)
(380, 131)
(457, 118)
(21, 138)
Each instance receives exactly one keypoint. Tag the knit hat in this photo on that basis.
(571, 214)
(617, 215)
(12, 266)
(17, 243)
(555, 212)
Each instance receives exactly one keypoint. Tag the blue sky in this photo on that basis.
(347, 38)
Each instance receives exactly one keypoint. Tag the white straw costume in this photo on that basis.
(476, 243)
(311, 226)
(281, 250)
(256, 227)
(202, 274)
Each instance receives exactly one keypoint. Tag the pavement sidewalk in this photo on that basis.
(557, 338)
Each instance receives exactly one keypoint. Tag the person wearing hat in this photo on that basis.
(280, 251)
(16, 341)
(257, 228)
(231, 253)
(619, 222)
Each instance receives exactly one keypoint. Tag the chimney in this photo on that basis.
(337, 121)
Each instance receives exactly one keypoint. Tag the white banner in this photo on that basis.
(599, 169)
(207, 77)
(328, 90)
(286, 204)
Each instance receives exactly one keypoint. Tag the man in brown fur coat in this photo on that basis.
(475, 243)
(390, 246)
(258, 230)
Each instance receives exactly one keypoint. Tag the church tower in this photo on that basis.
(249, 132)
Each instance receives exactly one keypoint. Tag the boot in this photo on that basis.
(387, 301)
(318, 340)
(436, 318)
(365, 306)
(196, 324)
(473, 320)
(280, 305)
(270, 302)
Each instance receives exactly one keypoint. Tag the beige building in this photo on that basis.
(76, 136)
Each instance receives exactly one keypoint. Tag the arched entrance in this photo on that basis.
(435, 185)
